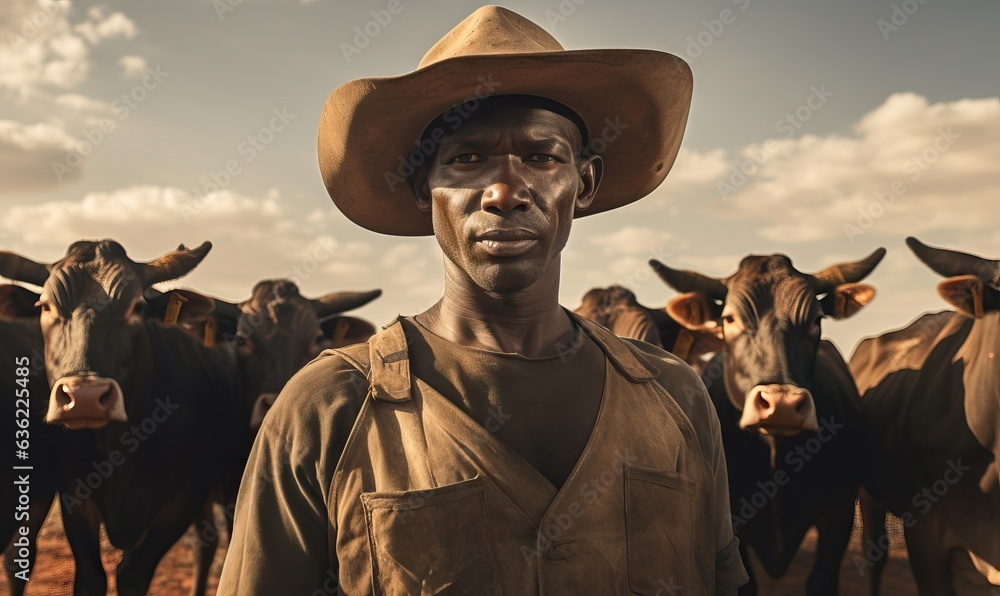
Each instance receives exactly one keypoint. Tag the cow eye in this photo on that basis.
(137, 309)
(728, 319)
(44, 306)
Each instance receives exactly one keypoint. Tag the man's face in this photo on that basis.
(502, 191)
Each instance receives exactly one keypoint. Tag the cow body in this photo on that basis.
(788, 406)
(147, 408)
(25, 401)
(930, 398)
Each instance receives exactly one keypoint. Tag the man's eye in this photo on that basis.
(542, 157)
(467, 158)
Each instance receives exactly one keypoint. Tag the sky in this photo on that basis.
(821, 130)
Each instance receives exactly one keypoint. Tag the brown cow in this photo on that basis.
(786, 401)
(617, 309)
(931, 410)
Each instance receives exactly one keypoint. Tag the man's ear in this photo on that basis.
(421, 189)
(846, 299)
(968, 294)
(591, 172)
(696, 312)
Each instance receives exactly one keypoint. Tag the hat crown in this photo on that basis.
(491, 30)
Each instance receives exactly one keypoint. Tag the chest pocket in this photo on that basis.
(660, 533)
(434, 541)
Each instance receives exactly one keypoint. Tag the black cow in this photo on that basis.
(786, 401)
(148, 406)
(25, 494)
(931, 410)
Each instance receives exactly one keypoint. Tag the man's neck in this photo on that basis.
(529, 322)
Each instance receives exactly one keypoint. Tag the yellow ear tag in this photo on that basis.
(173, 309)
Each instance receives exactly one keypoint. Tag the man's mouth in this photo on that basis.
(507, 243)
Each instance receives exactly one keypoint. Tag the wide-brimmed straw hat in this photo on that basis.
(634, 104)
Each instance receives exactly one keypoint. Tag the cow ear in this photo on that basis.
(344, 330)
(194, 307)
(966, 293)
(696, 311)
(846, 300)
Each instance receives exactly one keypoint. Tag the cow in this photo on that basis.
(147, 406)
(276, 332)
(616, 308)
(788, 407)
(27, 486)
(930, 396)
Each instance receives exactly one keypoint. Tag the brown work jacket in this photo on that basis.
(424, 500)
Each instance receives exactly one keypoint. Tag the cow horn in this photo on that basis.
(14, 266)
(689, 281)
(174, 264)
(338, 302)
(950, 263)
(846, 273)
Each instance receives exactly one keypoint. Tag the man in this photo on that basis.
(494, 443)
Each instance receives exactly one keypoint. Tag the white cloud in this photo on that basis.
(81, 103)
(47, 51)
(691, 170)
(905, 160)
(252, 238)
(27, 152)
(132, 66)
(632, 240)
(99, 28)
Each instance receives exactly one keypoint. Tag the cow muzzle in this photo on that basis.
(85, 402)
(779, 410)
(260, 408)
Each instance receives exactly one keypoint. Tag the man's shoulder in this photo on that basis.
(330, 386)
(675, 375)
(684, 385)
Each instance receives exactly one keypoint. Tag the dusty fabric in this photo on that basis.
(423, 499)
(544, 409)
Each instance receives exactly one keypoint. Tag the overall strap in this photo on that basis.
(384, 361)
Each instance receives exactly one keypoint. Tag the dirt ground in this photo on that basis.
(53, 573)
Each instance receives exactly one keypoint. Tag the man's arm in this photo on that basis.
(689, 391)
(730, 573)
(282, 533)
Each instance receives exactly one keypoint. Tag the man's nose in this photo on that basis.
(507, 192)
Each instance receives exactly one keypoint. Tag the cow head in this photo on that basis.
(768, 315)
(278, 331)
(91, 318)
(973, 283)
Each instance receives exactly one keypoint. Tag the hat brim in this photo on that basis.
(634, 102)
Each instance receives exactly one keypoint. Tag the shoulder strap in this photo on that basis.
(384, 361)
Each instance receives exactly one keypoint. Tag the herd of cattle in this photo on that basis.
(143, 405)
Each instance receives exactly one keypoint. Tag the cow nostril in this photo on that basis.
(63, 397)
(107, 399)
